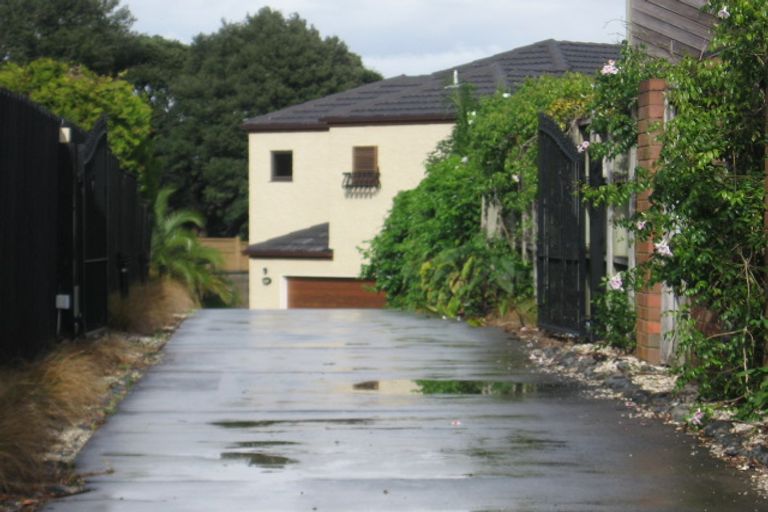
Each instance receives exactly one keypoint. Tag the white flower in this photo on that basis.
(640, 225)
(662, 248)
(516, 178)
(723, 13)
(464, 159)
(473, 113)
(616, 283)
(506, 95)
(583, 146)
(609, 68)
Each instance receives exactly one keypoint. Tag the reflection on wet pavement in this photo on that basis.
(261, 444)
(271, 423)
(264, 460)
(380, 411)
(457, 387)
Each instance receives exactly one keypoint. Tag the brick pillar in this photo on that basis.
(648, 300)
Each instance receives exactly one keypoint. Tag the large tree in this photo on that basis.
(91, 32)
(200, 93)
(262, 64)
(81, 96)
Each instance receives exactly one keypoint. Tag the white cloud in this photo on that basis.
(394, 64)
(405, 36)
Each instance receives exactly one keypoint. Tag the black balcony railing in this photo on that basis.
(361, 180)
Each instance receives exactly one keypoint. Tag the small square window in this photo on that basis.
(282, 166)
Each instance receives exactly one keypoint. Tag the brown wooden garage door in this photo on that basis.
(325, 292)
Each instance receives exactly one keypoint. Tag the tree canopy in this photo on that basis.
(95, 33)
(262, 64)
(200, 93)
(81, 96)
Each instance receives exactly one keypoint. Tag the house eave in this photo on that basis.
(391, 120)
(327, 123)
(288, 255)
(284, 127)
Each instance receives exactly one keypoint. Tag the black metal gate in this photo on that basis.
(114, 231)
(95, 159)
(571, 237)
(73, 228)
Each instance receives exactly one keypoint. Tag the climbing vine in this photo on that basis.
(706, 217)
(431, 253)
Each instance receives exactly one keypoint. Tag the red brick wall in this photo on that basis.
(648, 301)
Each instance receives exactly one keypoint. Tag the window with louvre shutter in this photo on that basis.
(365, 166)
(365, 159)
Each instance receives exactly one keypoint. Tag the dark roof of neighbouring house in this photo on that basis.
(426, 98)
(309, 243)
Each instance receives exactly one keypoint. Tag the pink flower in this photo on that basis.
(640, 225)
(583, 146)
(455, 423)
(662, 248)
(723, 13)
(616, 283)
(609, 68)
(697, 417)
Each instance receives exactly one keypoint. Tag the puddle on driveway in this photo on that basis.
(454, 387)
(259, 459)
(271, 423)
(262, 444)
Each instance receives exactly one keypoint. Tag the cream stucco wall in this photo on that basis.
(315, 195)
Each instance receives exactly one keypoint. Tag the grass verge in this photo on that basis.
(50, 406)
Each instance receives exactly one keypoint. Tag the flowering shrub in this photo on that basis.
(706, 215)
(431, 253)
(614, 315)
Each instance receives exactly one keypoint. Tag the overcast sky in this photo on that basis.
(409, 37)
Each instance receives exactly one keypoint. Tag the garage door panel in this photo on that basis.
(329, 293)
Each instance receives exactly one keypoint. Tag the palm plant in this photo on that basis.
(177, 252)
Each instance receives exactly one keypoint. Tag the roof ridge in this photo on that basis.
(559, 60)
(422, 98)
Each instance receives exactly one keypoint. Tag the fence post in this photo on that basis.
(651, 103)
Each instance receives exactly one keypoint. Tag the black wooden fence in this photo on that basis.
(73, 228)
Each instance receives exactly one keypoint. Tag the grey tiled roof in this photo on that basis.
(425, 98)
(309, 243)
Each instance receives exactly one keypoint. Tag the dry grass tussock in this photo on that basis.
(41, 398)
(74, 386)
(149, 307)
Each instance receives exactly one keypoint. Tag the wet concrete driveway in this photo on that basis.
(378, 410)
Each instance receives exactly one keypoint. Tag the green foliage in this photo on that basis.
(617, 95)
(431, 253)
(177, 252)
(614, 317)
(262, 64)
(503, 142)
(95, 33)
(441, 214)
(707, 204)
(474, 279)
(81, 96)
